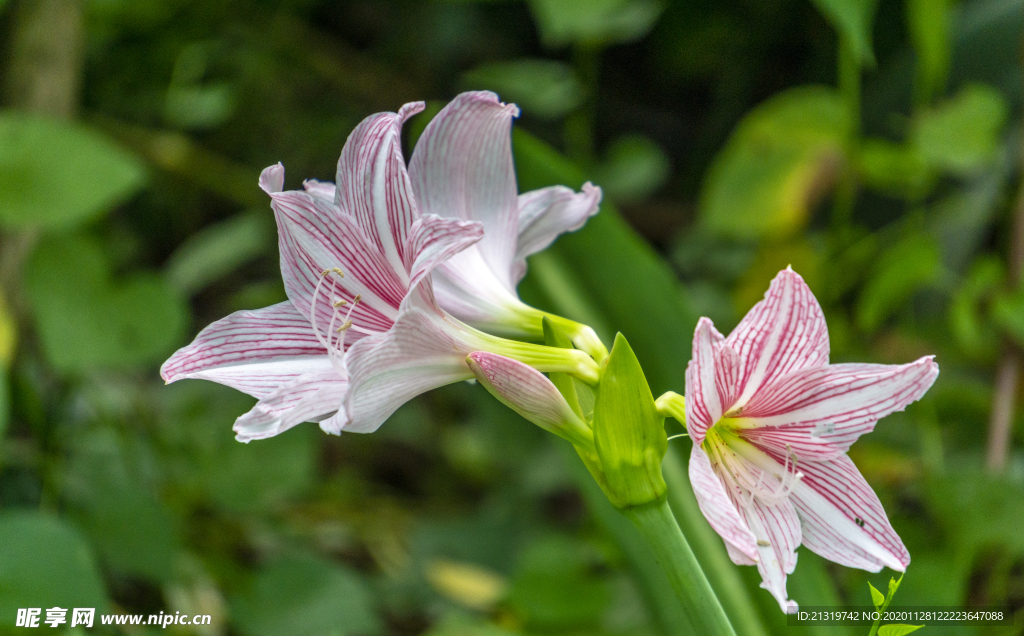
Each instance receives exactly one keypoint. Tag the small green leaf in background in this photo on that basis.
(597, 22)
(87, 320)
(132, 532)
(852, 20)
(633, 169)
(906, 267)
(897, 629)
(893, 168)
(876, 597)
(556, 589)
(56, 174)
(305, 596)
(778, 162)
(1008, 314)
(928, 23)
(961, 135)
(541, 88)
(973, 332)
(45, 563)
(218, 249)
(192, 103)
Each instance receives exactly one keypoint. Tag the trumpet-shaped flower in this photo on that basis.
(361, 331)
(771, 421)
(462, 168)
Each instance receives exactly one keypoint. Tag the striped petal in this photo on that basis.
(462, 168)
(819, 412)
(373, 184)
(703, 406)
(423, 351)
(530, 393)
(720, 509)
(545, 214)
(777, 528)
(783, 333)
(843, 520)
(323, 190)
(432, 241)
(251, 351)
(311, 397)
(314, 236)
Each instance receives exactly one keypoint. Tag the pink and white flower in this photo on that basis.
(462, 168)
(361, 332)
(771, 421)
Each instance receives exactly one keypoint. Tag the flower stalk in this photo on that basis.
(661, 532)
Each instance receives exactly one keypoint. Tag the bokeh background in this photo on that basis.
(876, 147)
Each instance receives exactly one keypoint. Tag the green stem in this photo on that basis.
(659, 528)
(722, 574)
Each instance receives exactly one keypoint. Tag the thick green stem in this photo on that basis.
(723, 575)
(659, 528)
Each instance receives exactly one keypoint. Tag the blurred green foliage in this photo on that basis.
(874, 146)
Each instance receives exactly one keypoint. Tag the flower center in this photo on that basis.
(338, 327)
(747, 470)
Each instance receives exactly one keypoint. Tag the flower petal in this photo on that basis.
(819, 412)
(720, 509)
(545, 214)
(703, 406)
(422, 351)
(783, 333)
(324, 190)
(462, 168)
(433, 240)
(777, 528)
(311, 397)
(313, 237)
(530, 393)
(373, 184)
(843, 520)
(251, 351)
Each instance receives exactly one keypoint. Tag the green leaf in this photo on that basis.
(133, 532)
(305, 596)
(598, 22)
(57, 174)
(45, 563)
(555, 588)
(973, 332)
(876, 597)
(87, 320)
(852, 20)
(1008, 314)
(541, 88)
(897, 629)
(905, 268)
(961, 135)
(628, 431)
(928, 23)
(894, 168)
(217, 250)
(634, 168)
(780, 159)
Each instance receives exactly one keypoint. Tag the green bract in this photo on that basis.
(628, 431)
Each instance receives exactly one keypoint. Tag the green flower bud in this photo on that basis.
(629, 433)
